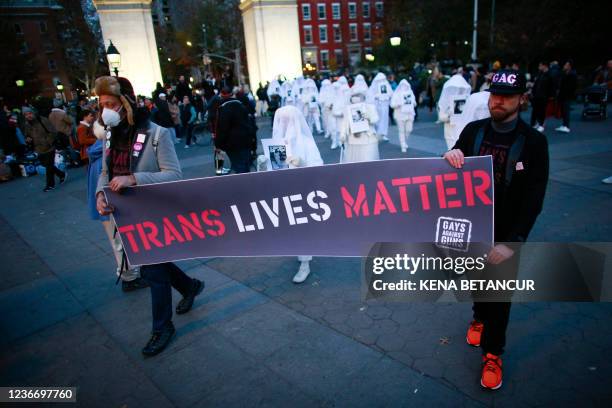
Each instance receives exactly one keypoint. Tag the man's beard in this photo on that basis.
(502, 115)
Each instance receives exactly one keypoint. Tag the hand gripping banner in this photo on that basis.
(331, 210)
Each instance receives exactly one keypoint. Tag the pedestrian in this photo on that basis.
(342, 98)
(358, 145)
(541, 92)
(129, 131)
(379, 95)
(290, 126)
(182, 88)
(234, 131)
(520, 167)
(287, 97)
(297, 90)
(567, 93)
(274, 97)
(312, 109)
(188, 117)
(41, 134)
(162, 116)
(455, 92)
(62, 122)
(403, 103)
(175, 114)
(262, 100)
(326, 99)
(85, 135)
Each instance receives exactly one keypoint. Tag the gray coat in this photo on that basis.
(151, 167)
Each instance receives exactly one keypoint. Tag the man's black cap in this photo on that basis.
(508, 82)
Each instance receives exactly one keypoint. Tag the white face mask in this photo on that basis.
(110, 117)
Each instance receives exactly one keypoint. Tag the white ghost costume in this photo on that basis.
(361, 146)
(476, 107)
(298, 90)
(312, 110)
(274, 88)
(452, 99)
(379, 95)
(326, 99)
(341, 101)
(302, 151)
(403, 103)
(286, 94)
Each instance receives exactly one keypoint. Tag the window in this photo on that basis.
(337, 33)
(321, 11)
(353, 31)
(366, 9)
(52, 65)
(306, 11)
(367, 32)
(42, 26)
(352, 10)
(379, 9)
(336, 11)
(325, 58)
(18, 29)
(48, 47)
(339, 57)
(323, 33)
(308, 34)
(24, 48)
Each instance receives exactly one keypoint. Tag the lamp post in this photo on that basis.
(114, 58)
(60, 89)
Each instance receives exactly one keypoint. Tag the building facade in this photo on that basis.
(338, 33)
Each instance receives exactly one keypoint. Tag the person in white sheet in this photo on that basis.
(476, 107)
(360, 80)
(403, 104)
(341, 100)
(310, 101)
(274, 88)
(452, 99)
(290, 126)
(286, 93)
(298, 90)
(379, 95)
(326, 99)
(359, 145)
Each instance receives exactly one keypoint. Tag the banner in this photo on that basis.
(331, 210)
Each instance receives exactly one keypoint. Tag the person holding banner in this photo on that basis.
(357, 131)
(454, 94)
(302, 151)
(403, 103)
(140, 152)
(379, 95)
(520, 167)
(341, 100)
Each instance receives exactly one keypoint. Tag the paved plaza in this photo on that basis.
(256, 339)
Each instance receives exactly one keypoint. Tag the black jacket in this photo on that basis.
(524, 196)
(234, 128)
(162, 116)
(567, 86)
(543, 86)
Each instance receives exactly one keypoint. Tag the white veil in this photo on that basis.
(290, 126)
(476, 108)
(401, 91)
(374, 91)
(455, 87)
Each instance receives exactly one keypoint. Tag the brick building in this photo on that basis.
(338, 33)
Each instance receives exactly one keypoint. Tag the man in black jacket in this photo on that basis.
(567, 93)
(234, 131)
(520, 170)
(543, 89)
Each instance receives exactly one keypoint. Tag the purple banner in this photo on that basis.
(331, 210)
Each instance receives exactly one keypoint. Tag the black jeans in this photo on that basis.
(495, 317)
(188, 133)
(538, 113)
(162, 278)
(241, 160)
(565, 111)
(47, 160)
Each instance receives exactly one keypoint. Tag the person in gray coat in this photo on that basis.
(140, 152)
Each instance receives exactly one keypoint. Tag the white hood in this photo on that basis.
(379, 84)
(401, 91)
(456, 87)
(291, 127)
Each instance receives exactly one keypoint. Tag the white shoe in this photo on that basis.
(334, 146)
(385, 139)
(187, 146)
(563, 129)
(540, 129)
(327, 135)
(302, 273)
(404, 149)
(607, 180)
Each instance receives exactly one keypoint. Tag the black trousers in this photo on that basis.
(495, 317)
(47, 160)
(162, 278)
(188, 133)
(538, 113)
(565, 111)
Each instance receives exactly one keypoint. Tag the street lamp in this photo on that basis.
(370, 57)
(114, 58)
(189, 44)
(395, 40)
(60, 88)
(20, 83)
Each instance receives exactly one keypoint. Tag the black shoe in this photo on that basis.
(159, 341)
(47, 189)
(135, 284)
(187, 302)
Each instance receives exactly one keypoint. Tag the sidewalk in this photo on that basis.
(256, 339)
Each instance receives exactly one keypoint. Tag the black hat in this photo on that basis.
(508, 82)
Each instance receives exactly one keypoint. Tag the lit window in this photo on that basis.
(336, 11)
(306, 11)
(323, 33)
(353, 31)
(321, 11)
(352, 10)
(308, 34)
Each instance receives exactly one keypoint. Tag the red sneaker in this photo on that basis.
(491, 371)
(474, 332)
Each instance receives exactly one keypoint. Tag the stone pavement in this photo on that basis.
(256, 339)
